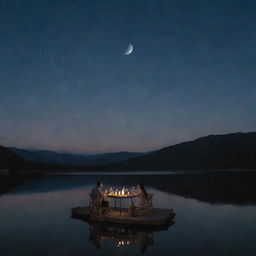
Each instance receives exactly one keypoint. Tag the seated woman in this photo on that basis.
(145, 204)
(142, 195)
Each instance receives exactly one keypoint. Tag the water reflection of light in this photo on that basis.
(123, 243)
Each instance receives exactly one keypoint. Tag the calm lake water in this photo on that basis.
(215, 215)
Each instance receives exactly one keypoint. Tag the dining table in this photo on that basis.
(120, 197)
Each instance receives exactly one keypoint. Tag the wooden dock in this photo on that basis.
(157, 217)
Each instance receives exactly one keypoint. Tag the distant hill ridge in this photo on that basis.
(52, 157)
(8, 159)
(229, 151)
(236, 150)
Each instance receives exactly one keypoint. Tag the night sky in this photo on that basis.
(66, 84)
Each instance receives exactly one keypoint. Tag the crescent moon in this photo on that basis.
(129, 49)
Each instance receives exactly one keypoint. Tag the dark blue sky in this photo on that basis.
(65, 83)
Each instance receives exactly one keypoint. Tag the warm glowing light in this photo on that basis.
(124, 192)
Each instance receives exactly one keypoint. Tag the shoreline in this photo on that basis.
(150, 172)
(10, 181)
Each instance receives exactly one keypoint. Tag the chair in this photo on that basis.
(95, 204)
(145, 204)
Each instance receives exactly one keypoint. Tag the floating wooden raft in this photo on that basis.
(157, 217)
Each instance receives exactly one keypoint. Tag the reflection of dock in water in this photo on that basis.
(123, 235)
(123, 228)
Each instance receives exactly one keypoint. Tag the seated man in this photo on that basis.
(97, 191)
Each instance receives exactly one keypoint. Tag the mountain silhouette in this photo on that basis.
(9, 159)
(51, 157)
(229, 151)
(236, 150)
